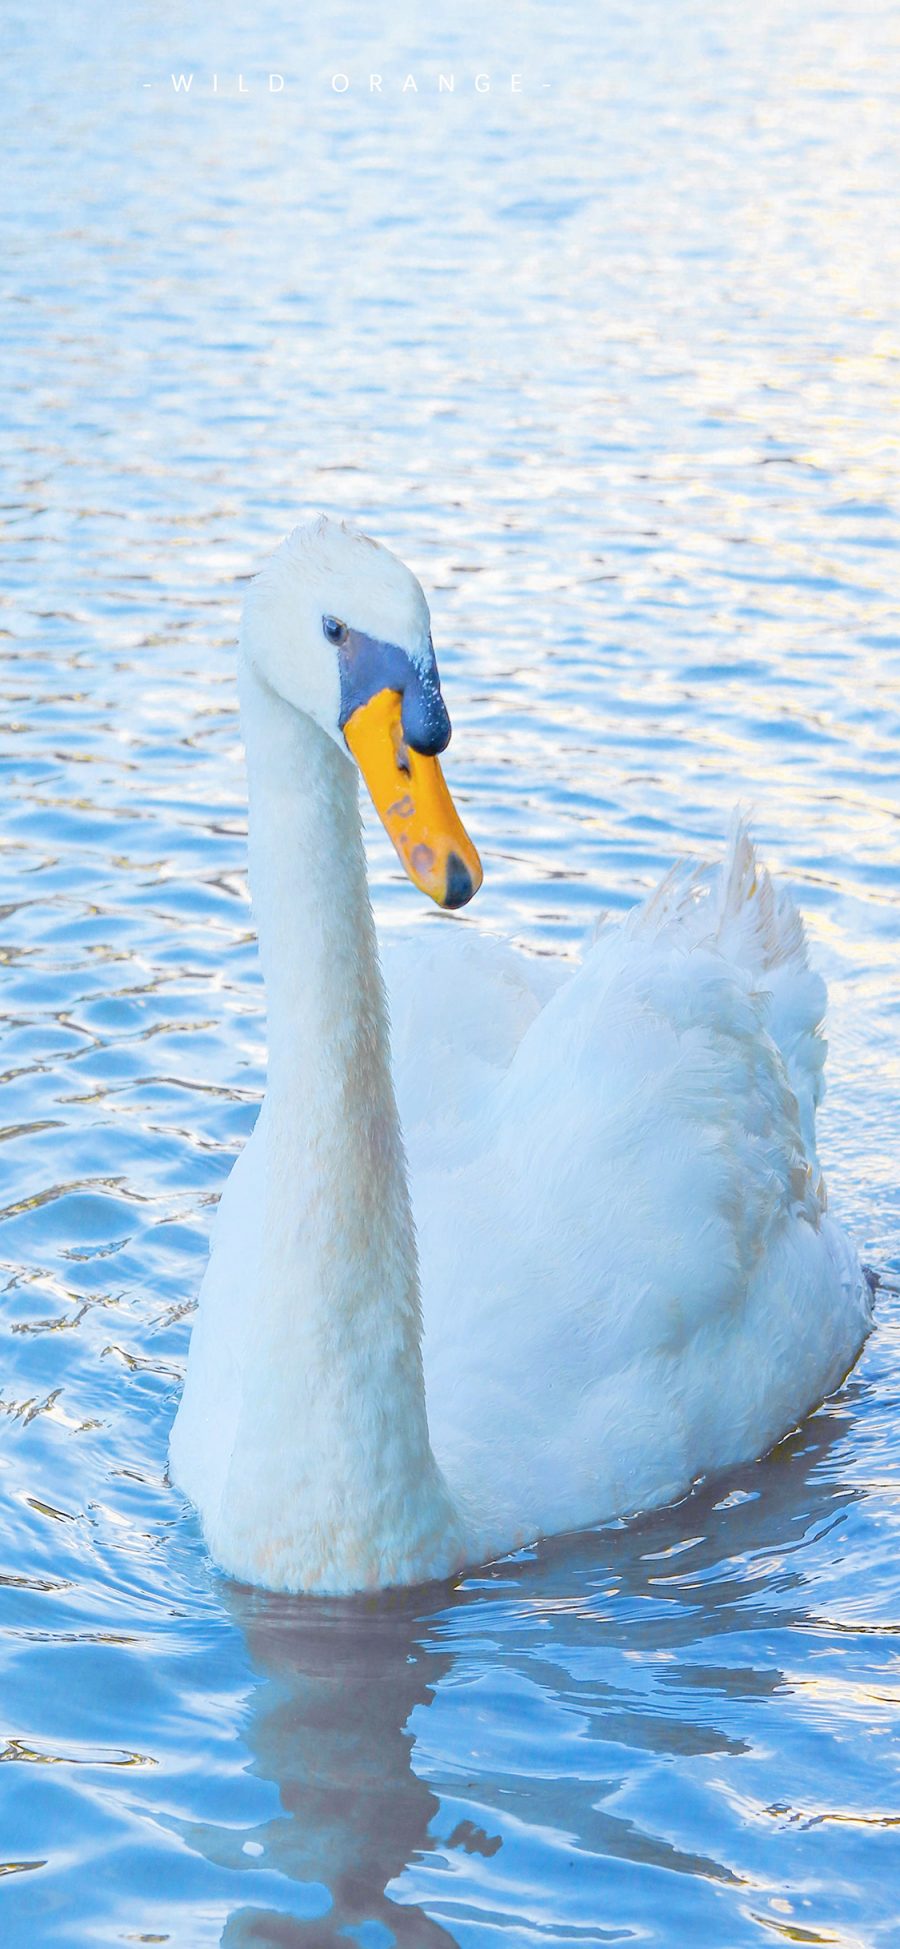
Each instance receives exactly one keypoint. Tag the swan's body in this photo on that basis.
(628, 1275)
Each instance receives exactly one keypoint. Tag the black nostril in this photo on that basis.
(459, 882)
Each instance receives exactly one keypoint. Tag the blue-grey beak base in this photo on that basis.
(368, 666)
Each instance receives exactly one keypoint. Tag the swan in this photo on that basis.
(629, 1278)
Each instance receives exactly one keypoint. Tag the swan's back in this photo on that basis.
(629, 1275)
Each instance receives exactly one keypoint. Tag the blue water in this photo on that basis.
(612, 362)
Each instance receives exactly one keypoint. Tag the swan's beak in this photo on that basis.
(410, 795)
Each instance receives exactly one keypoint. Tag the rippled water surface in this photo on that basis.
(613, 363)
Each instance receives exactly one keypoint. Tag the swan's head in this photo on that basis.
(340, 629)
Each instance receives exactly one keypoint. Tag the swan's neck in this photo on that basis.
(341, 1476)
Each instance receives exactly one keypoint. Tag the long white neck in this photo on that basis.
(335, 1465)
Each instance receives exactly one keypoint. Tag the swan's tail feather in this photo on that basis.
(737, 909)
(676, 903)
(758, 926)
(734, 906)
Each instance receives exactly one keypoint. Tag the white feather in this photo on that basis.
(628, 1275)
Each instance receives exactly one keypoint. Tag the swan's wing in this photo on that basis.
(628, 1274)
(460, 1003)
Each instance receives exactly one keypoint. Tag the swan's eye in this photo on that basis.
(336, 632)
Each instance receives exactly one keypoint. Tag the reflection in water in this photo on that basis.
(650, 1644)
(338, 1682)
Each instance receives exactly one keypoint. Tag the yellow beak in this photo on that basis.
(412, 801)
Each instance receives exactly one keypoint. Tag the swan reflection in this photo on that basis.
(338, 1683)
(428, 1747)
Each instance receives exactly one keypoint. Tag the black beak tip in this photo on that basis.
(460, 885)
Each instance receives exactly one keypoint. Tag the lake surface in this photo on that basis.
(613, 362)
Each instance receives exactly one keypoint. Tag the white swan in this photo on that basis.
(628, 1275)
